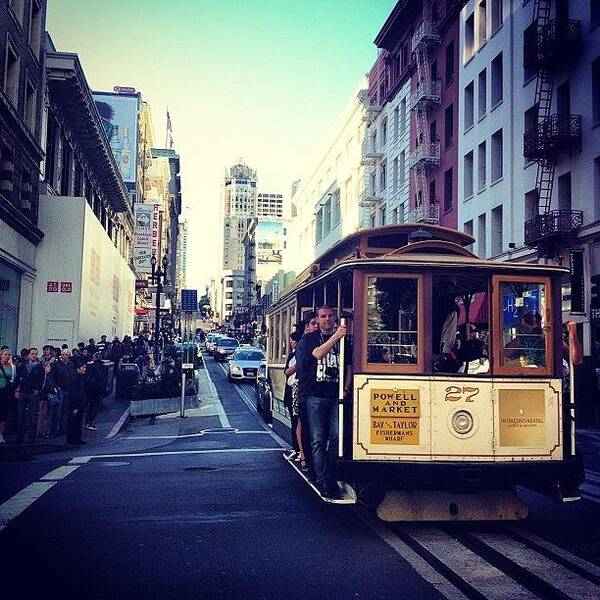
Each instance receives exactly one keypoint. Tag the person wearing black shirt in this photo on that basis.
(318, 375)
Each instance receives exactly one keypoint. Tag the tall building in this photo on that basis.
(269, 205)
(22, 25)
(529, 143)
(239, 203)
(181, 262)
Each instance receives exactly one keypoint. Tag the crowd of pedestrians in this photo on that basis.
(61, 390)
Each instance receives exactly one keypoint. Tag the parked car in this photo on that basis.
(244, 363)
(224, 348)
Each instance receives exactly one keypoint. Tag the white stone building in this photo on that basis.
(326, 205)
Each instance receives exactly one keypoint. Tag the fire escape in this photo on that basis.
(426, 94)
(546, 43)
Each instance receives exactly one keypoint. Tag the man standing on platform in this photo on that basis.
(318, 382)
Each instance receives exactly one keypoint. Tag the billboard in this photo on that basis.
(269, 242)
(146, 235)
(119, 116)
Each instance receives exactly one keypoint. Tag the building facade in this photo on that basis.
(22, 26)
(239, 204)
(530, 141)
(327, 203)
(232, 294)
(87, 290)
(269, 205)
(416, 74)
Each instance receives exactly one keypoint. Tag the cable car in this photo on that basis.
(457, 374)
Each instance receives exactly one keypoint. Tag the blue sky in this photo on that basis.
(264, 80)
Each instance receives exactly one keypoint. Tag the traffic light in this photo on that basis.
(595, 295)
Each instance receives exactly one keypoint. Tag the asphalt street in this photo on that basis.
(206, 507)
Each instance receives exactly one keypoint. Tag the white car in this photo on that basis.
(244, 363)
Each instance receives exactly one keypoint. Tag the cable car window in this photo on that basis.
(524, 326)
(460, 324)
(392, 320)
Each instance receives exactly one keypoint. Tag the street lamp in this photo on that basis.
(159, 277)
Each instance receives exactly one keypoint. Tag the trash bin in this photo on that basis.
(128, 377)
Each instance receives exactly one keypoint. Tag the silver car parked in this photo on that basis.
(244, 363)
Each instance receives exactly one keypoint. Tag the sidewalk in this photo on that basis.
(112, 410)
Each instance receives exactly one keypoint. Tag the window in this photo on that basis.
(469, 105)
(496, 17)
(327, 217)
(11, 75)
(449, 63)
(531, 205)
(482, 18)
(229, 295)
(497, 159)
(395, 174)
(577, 282)
(459, 324)
(35, 28)
(396, 122)
(468, 175)
(481, 166)
(78, 187)
(384, 132)
(481, 232)
(432, 197)
(449, 126)
(496, 231)
(401, 167)
(395, 215)
(65, 177)
(468, 227)
(522, 318)
(596, 90)
(563, 98)
(564, 192)
(403, 115)
(393, 321)
(469, 37)
(229, 283)
(373, 183)
(448, 190)
(30, 106)
(482, 94)
(382, 215)
(319, 224)
(497, 81)
(383, 174)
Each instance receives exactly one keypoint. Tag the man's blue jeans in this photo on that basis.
(323, 423)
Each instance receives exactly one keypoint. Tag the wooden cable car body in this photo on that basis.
(457, 373)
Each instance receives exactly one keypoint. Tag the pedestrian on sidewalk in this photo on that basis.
(29, 383)
(96, 386)
(116, 354)
(101, 346)
(77, 402)
(64, 371)
(7, 395)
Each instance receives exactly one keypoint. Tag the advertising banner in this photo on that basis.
(269, 242)
(119, 115)
(146, 235)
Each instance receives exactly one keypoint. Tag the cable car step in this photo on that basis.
(427, 505)
(347, 492)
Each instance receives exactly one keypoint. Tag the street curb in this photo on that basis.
(119, 424)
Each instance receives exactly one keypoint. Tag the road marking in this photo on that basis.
(80, 460)
(180, 452)
(556, 575)
(19, 502)
(59, 473)
(119, 424)
(420, 565)
(213, 397)
(478, 573)
(192, 435)
(572, 558)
